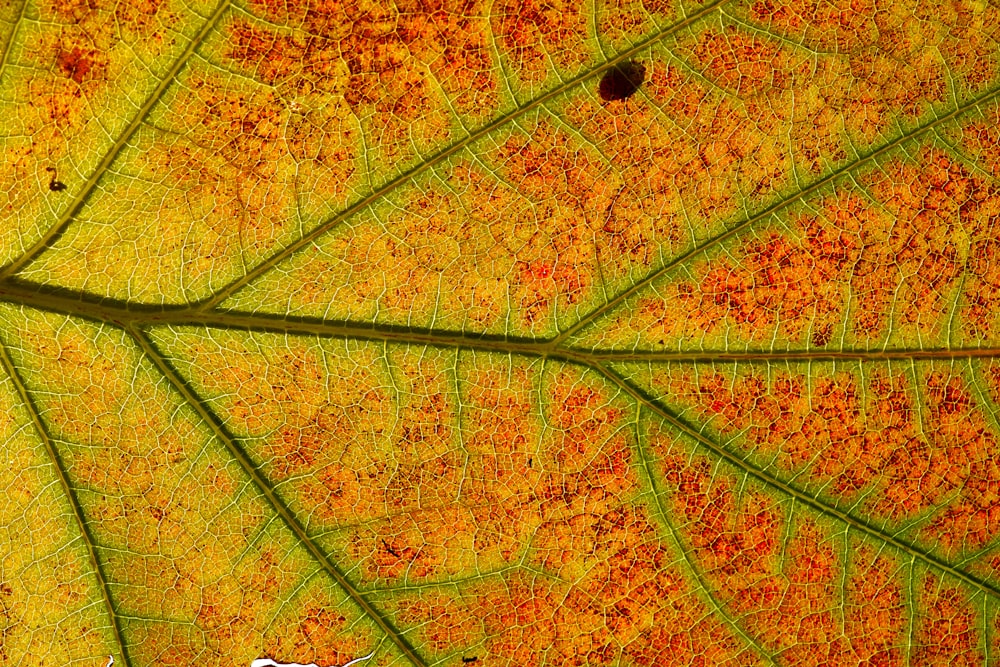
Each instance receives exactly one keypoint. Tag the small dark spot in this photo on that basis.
(468, 660)
(621, 81)
(822, 335)
(75, 64)
(390, 549)
(54, 185)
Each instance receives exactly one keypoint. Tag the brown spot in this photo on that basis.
(821, 336)
(55, 185)
(75, 64)
(621, 81)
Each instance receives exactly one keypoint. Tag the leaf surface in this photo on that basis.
(336, 329)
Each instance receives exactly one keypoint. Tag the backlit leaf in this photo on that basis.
(508, 333)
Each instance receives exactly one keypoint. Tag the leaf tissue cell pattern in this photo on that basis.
(391, 332)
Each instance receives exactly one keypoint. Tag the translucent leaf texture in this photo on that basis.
(331, 329)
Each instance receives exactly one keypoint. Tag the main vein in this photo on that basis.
(123, 314)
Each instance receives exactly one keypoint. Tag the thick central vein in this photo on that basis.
(125, 315)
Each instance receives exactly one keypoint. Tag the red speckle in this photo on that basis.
(75, 64)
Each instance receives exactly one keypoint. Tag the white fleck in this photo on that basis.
(111, 661)
(267, 662)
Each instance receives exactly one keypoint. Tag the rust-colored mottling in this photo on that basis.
(956, 420)
(622, 21)
(630, 581)
(851, 438)
(168, 644)
(667, 177)
(637, 608)
(514, 333)
(386, 63)
(934, 203)
(745, 63)
(465, 250)
(854, 271)
(980, 140)
(876, 608)
(534, 34)
(887, 51)
(556, 267)
(782, 581)
(946, 625)
(73, 64)
(318, 628)
(76, 64)
(179, 533)
(445, 494)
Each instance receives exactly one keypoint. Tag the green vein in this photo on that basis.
(5, 57)
(774, 208)
(57, 464)
(787, 355)
(81, 198)
(279, 506)
(810, 501)
(223, 293)
(79, 304)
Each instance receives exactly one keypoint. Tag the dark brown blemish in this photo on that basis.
(75, 64)
(468, 660)
(621, 81)
(389, 549)
(54, 185)
(822, 335)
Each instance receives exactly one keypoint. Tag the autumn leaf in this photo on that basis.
(505, 333)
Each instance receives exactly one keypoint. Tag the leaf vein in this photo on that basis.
(60, 469)
(271, 496)
(721, 453)
(74, 208)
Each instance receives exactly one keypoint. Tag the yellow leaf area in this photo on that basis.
(504, 333)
